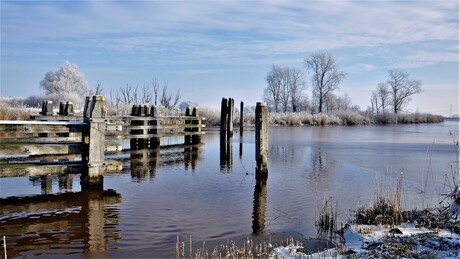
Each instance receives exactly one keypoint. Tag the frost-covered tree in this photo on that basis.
(402, 88)
(326, 75)
(66, 84)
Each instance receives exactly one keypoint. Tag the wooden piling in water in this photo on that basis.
(261, 139)
(226, 116)
(223, 116)
(94, 138)
(241, 118)
(230, 110)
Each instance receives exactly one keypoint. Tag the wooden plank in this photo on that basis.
(40, 149)
(34, 139)
(40, 117)
(111, 146)
(42, 127)
(160, 135)
(54, 168)
(35, 169)
(65, 123)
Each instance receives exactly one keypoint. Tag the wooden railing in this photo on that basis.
(65, 143)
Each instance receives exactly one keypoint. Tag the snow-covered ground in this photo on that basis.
(364, 241)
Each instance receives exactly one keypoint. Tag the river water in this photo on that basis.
(210, 192)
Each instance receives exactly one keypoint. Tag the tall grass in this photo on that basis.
(327, 219)
(248, 249)
(12, 111)
(386, 208)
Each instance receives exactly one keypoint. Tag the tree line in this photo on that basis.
(286, 88)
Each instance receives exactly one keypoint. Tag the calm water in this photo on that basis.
(210, 192)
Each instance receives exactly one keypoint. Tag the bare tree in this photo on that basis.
(326, 75)
(284, 87)
(98, 90)
(156, 88)
(274, 86)
(166, 99)
(402, 88)
(374, 103)
(146, 95)
(127, 94)
(383, 95)
(297, 85)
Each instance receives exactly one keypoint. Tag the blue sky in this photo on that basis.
(211, 49)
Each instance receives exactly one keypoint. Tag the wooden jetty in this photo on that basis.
(66, 143)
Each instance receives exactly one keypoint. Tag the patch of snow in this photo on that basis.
(440, 243)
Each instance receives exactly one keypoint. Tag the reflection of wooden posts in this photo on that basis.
(241, 118)
(191, 154)
(139, 165)
(259, 206)
(93, 208)
(46, 182)
(226, 152)
(261, 139)
(96, 221)
(94, 138)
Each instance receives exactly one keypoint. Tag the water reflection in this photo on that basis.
(144, 162)
(226, 152)
(65, 182)
(259, 205)
(66, 223)
(191, 156)
(321, 164)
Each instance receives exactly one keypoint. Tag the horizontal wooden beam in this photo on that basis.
(9, 149)
(40, 168)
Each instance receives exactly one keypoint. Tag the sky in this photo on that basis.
(214, 49)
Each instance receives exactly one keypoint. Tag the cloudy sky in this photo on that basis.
(211, 49)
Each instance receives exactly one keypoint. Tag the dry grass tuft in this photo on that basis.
(386, 209)
(327, 220)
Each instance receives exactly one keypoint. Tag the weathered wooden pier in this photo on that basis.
(65, 143)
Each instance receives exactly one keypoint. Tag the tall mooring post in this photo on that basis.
(241, 118)
(226, 116)
(261, 139)
(94, 137)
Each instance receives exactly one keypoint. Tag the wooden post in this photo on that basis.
(62, 109)
(196, 139)
(187, 138)
(138, 143)
(241, 118)
(47, 108)
(154, 142)
(231, 109)
(261, 139)
(94, 115)
(69, 109)
(223, 117)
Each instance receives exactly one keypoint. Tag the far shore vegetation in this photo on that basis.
(285, 94)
